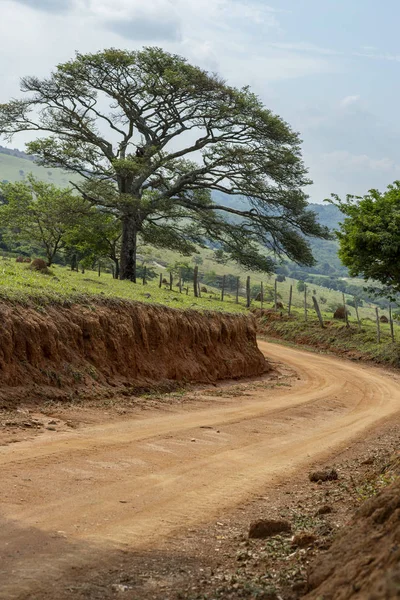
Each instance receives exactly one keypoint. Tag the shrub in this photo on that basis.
(38, 264)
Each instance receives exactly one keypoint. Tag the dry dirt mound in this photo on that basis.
(364, 561)
(60, 350)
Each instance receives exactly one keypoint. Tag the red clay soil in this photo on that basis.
(364, 561)
(55, 351)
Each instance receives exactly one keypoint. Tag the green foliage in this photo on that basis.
(182, 269)
(300, 286)
(369, 237)
(40, 215)
(136, 161)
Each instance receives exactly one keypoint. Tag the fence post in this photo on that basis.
(290, 299)
(378, 326)
(237, 289)
(144, 275)
(99, 271)
(357, 315)
(305, 302)
(198, 290)
(346, 316)
(262, 294)
(195, 282)
(317, 310)
(171, 280)
(248, 299)
(160, 282)
(391, 322)
(223, 289)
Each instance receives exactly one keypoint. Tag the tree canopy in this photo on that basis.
(152, 137)
(40, 215)
(369, 236)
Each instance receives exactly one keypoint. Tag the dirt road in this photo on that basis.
(68, 499)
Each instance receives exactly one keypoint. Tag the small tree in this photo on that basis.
(369, 236)
(300, 286)
(96, 235)
(40, 214)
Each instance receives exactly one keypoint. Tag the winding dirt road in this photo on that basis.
(67, 499)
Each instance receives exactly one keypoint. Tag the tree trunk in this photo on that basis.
(128, 248)
(195, 283)
(74, 263)
(248, 299)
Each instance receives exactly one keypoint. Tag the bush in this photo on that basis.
(300, 286)
(38, 264)
(339, 313)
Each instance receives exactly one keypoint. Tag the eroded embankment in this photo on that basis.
(56, 351)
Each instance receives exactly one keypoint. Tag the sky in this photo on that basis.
(330, 68)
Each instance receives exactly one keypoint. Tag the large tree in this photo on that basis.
(152, 136)
(369, 236)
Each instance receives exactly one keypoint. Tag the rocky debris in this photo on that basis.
(324, 475)
(304, 539)
(325, 509)
(265, 528)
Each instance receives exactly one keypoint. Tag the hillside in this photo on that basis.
(15, 165)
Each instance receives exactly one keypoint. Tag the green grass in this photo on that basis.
(332, 297)
(21, 285)
(336, 337)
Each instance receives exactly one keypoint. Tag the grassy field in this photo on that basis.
(19, 284)
(332, 297)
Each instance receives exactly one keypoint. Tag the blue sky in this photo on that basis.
(330, 68)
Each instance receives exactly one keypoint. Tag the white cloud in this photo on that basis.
(379, 56)
(343, 160)
(349, 100)
(304, 47)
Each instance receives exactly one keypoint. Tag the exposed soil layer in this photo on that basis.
(60, 351)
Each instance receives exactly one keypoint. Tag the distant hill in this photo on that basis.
(15, 165)
(328, 215)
